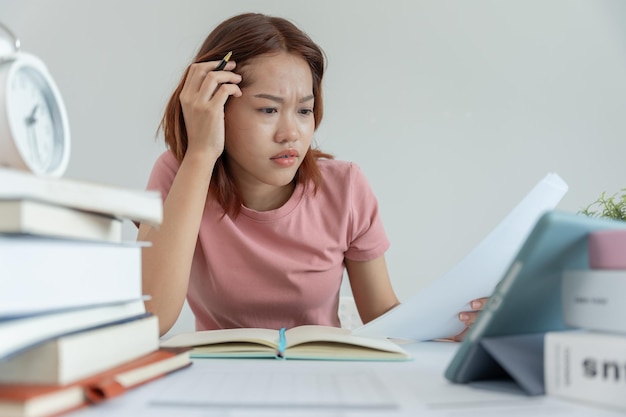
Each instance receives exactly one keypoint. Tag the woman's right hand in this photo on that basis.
(202, 98)
(166, 264)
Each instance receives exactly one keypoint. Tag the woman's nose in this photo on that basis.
(287, 129)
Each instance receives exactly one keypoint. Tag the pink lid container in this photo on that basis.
(607, 249)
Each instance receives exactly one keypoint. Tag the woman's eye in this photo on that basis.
(306, 112)
(268, 110)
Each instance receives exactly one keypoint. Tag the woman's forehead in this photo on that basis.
(276, 68)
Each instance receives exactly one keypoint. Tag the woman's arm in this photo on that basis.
(371, 287)
(166, 265)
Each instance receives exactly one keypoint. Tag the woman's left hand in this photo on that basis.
(469, 317)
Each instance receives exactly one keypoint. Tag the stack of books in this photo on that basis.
(588, 364)
(73, 327)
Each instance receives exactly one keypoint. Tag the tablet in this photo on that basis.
(527, 300)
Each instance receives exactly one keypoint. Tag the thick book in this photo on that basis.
(594, 299)
(302, 342)
(43, 274)
(50, 400)
(67, 359)
(586, 366)
(44, 219)
(20, 333)
(124, 203)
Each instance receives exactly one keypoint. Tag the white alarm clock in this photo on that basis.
(34, 127)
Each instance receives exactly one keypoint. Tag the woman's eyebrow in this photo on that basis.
(281, 99)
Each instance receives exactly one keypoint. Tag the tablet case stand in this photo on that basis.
(517, 364)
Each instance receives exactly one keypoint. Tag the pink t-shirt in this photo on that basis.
(280, 268)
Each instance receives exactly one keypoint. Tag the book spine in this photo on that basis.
(595, 299)
(586, 367)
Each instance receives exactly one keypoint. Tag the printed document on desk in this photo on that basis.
(433, 312)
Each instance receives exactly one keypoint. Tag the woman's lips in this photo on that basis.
(286, 158)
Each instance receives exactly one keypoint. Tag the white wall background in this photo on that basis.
(454, 109)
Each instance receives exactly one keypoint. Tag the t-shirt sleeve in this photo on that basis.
(368, 237)
(163, 174)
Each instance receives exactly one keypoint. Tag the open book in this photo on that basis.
(302, 342)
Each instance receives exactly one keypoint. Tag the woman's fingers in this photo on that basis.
(469, 317)
(203, 81)
(202, 99)
(226, 90)
(479, 303)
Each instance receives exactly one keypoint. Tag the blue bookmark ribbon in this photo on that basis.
(282, 343)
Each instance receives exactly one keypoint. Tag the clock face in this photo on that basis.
(36, 118)
(32, 117)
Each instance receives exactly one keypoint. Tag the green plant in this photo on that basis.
(613, 207)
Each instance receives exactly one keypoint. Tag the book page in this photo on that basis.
(265, 337)
(317, 336)
(433, 312)
(312, 333)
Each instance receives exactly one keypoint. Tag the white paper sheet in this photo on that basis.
(279, 389)
(272, 388)
(433, 312)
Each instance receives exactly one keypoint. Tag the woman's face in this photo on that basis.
(270, 127)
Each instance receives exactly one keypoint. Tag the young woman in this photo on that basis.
(258, 224)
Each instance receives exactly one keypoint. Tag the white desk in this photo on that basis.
(260, 388)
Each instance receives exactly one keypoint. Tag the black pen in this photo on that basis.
(224, 61)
